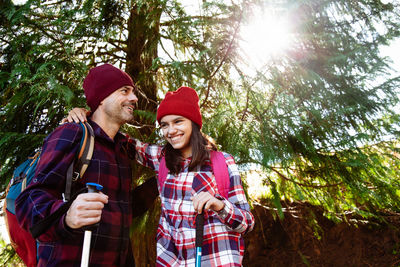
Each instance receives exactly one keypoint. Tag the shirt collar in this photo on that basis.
(100, 133)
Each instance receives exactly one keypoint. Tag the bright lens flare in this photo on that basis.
(266, 36)
(19, 2)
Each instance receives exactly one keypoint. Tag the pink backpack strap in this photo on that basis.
(162, 173)
(221, 172)
(219, 167)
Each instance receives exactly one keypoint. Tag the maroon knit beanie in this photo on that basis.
(184, 102)
(101, 82)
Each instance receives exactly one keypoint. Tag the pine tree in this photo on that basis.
(318, 120)
(61, 40)
(328, 109)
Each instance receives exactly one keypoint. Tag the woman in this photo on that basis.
(190, 188)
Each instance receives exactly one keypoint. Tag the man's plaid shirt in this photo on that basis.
(110, 167)
(223, 243)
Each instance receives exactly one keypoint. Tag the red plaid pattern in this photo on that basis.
(110, 167)
(223, 242)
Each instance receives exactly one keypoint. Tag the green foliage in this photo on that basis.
(308, 113)
(8, 256)
(325, 109)
(318, 120)
(39, 78)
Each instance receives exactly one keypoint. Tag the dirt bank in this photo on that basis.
(306, 238)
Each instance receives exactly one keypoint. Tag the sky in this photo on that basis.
(392, 52)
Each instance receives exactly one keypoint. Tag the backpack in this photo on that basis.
(219, 167)
(22, 241)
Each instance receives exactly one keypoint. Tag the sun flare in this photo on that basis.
(265, 36)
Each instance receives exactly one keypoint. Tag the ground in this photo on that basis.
(306, 238)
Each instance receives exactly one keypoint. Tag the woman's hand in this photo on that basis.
(206, 201)
(76, 115)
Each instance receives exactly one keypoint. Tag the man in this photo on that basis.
(111, 97)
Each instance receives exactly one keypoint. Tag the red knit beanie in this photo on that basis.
(102, 81)
(184, 102)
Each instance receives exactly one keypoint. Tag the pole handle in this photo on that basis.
(199, 237)
(199, 229)
(92, 188)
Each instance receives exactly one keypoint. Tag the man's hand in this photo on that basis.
(76, 115)
(86, 210)
(206, 200)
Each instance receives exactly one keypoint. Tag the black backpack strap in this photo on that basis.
(83, 159)
(68, 183)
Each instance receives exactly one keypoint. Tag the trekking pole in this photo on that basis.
(92, 188)
(199, 237)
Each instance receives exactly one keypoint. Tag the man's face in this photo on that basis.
(120, 104)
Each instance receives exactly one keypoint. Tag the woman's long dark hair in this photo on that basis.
(201, 145)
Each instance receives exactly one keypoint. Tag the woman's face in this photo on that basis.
(177, 131)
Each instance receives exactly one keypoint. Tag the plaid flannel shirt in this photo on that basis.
(110, 167)
(223, 243)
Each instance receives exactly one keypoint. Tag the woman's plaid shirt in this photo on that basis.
(223, 243)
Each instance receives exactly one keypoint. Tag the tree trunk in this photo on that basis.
(142, 44)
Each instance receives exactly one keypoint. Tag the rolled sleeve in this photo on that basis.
(236, 212)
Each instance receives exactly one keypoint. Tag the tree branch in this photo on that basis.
(228, 50)
(190, 19)
(301, 184)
